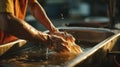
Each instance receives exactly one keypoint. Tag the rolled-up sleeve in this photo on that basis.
(7, 6)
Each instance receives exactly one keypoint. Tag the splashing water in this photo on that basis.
(62, 17)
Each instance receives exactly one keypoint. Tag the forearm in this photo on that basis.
(40, 14)
(19, 28)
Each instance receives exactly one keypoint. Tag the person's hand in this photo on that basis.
(56, 43)
(62, 42)
(53, 42)
(65, 35)
(69, 43)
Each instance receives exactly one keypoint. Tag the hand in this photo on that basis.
(56, 43)
(53, 42)
(66, 36)
(69, 43)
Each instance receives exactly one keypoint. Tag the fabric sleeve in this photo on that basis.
(7, 6)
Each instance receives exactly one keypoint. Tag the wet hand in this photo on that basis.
(69, 43)
(56, 43)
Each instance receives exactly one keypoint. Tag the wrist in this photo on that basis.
(41, 37)
(55, 30)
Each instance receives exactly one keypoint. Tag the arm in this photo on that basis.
(20, 28)
(39, 13)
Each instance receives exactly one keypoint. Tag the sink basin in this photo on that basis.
(95, 43)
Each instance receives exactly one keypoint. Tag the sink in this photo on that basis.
(95, 43)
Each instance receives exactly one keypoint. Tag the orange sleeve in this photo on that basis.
(7, 6)
(6, 38)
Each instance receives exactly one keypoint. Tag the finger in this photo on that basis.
(77, 49)
(62, 48)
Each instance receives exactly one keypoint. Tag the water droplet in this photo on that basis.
(62, 17)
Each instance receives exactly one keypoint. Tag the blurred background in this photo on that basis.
(62, 12)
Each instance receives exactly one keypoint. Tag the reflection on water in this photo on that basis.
(38, 57)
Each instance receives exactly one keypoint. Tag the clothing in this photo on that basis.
(17, 8)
